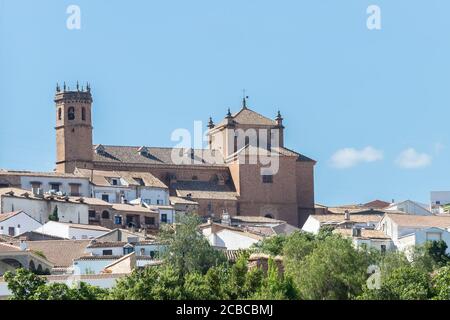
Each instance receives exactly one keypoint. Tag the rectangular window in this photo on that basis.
(36, 185)
(54, 186)
(114, 182)
(11, 231)
(209, 207)
(117, 219)
(74, 190)
(91, 214)
(107, 252)
(267, 178)
(149, 220)
(105, 197)
(383, 248)
(434, 236)
(164, 217)
(160, 202)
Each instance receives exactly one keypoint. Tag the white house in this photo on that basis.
(368, 220)
(65, 183)
(230, 238)
(166, 212)
(438, 201)
(124, 186)
(92, 264)
(72, 230)
(18, 222)
(370, 238)
(409, 207)
(407, 230)
(40, 206)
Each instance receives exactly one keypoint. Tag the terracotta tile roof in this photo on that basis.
(156, 156)
(354, 209)
(365, 233)
(408, 220)
(98, 257)
(8, 239)
(132, 208)
(204, 190)
(178, 200)
(253, 219)
(35, 235)
(338, 218)
(6, 216)
(60, 252)
(248, 116)
(232, 255)
(83, 226)
(38, 174)
(6, 247)
(96, 202)
(108, 244)
(377, 204)
(100, 177)
(27, 194)
(218, 227)
(121, 235)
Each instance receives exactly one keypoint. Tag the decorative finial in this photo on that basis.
(229, 113)
(78, 86)
(210, 123)
(64, 86)
(58, 89)
(244, 100)
(279, 115)
(279, 119)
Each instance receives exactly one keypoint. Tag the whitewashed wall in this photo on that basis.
(41, 209)
(84, 187)
(20, 222)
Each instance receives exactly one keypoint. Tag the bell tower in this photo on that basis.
(73, 128)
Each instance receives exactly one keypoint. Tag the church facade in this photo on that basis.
(245, 170)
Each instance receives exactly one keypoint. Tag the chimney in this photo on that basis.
(23, 244)
(346, 215)
(226, 218)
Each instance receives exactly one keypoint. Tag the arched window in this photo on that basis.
(32, 266)
(71, 113)
(59, 114)
(105, 215)
(83, 114)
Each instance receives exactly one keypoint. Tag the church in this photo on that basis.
(245, 170)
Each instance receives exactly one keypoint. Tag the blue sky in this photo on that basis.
(371, 106)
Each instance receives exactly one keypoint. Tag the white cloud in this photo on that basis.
(411, 159)
(349, 157)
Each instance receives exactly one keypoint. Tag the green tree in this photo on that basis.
(54, 215)
(272, 245)
(23, 284)
(275, 285)
(152, 283)
(325, 231)
(404, 283)
(441, 284)
(188, 250)
(333, 270)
